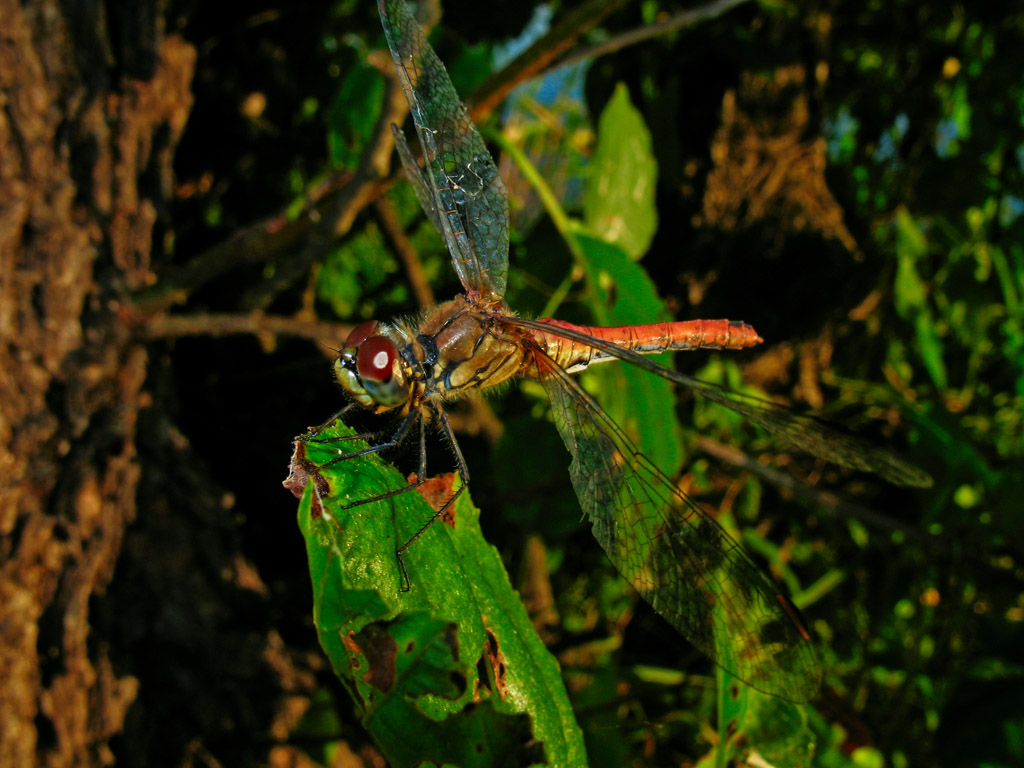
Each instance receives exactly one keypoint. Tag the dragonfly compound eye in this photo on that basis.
(361, 333)
(376, 364)
(376, 359)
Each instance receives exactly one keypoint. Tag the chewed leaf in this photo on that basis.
(411, 659)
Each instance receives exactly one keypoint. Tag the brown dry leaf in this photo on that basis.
(769, 162)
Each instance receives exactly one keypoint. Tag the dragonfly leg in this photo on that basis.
(396, 437)
(310, 436)
(463, 471)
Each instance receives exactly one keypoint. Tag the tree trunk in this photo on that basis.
(93, 100)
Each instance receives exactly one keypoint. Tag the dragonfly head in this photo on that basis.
(370, 369)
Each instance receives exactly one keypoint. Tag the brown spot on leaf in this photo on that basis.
(380, 650)
(354, 651)
(439, 491)
(731, 728)
(493, 654)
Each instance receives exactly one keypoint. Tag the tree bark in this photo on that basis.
(93, 100)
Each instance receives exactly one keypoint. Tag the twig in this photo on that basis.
(337, 220)
(540, 55)
(256, 323)
(396, 236)
(335, 205)
(252, 244)
(683, 19)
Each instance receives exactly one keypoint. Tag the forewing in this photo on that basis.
(418, 178)
(815, 436)
(677, 557)
(467, 198)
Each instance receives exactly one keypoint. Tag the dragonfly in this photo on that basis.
(676, 555)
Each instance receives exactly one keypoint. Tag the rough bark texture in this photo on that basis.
(75, 233)
(93, 99)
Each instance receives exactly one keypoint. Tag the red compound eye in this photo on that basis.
(375, 358)
(361, 333)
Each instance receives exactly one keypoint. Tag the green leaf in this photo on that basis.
(749, 720)
(621, 293)
(911, 295)
(449, 671)
(353, 114)
(618, 201)
(911, 245)
(359, 266)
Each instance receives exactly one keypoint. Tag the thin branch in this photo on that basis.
(539, 56)
(410, 257)
(253, 244)
(337, 220)
(254, 323)
(688, 18)
(334, 207)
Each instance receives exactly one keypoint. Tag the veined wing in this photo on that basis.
(460, 188)
(806, 432)
(677, 557)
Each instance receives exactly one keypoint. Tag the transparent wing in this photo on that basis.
(460, 188)
(815, 436)
(677, 557)
(418, 178)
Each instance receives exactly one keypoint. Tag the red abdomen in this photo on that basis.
(574, 355)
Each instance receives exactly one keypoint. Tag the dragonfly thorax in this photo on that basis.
(453, 349)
